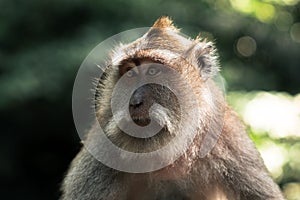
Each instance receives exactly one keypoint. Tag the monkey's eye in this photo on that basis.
(152, 71)
(130, 73)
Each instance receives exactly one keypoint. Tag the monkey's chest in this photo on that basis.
(160, 191)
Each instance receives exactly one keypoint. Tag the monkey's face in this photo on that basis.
(154, 99)
(144, 97)
(168, 74)
(160, 97)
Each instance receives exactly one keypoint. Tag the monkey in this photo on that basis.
(231, 170)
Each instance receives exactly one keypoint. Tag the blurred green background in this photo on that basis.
(42, 44)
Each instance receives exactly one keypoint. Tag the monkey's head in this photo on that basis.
(173, 88)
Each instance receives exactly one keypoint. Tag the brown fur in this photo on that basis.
(232, 170)
(164, 22)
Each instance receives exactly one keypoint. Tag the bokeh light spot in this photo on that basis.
(245, 6)
(292, 191)
(295, 32)
(289, 2)
(246, 46)
(283, 21)
(294, 152)
(264, 12)
(277, 115)
(274, 157)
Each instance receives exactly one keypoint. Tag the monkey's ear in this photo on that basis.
(163, 23)
(203, 55)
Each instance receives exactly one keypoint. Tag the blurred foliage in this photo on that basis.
(42, 44)
(273, 122)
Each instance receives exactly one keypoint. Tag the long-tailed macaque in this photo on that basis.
(231, 170)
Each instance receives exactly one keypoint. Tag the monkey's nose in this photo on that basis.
(136, 102)
(137, 98)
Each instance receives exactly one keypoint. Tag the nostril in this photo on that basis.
(138, 98)
(135, 103)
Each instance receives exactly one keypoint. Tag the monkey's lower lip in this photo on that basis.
(141, 121)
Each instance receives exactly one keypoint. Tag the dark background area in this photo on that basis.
(42, 44)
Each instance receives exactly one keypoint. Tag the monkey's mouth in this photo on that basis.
(141, 121)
